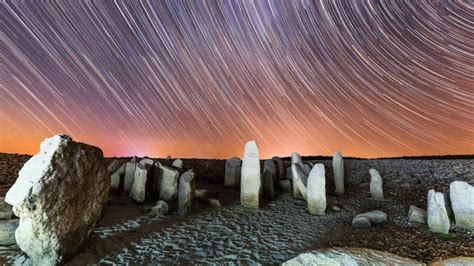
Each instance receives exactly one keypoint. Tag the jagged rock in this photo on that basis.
(6, 211)
(375, 217)
(59, 196)
(284, 185)
(160, 208)
(138, 190)
(186, 192)
(462, 202)
(268, 186)
(178, 163)
(360, 222)
(129, 175)
(269, 166)
(438, 220)
(299, 181)
(134, 159)
(7, 231)
(417, 215)
(296, 158)
(250, 186)
(167, 182)
(349, 257)
(232, 172)
(114, 166)
(316, 190)
(376, 183)
(279, 167)
(338, 170)
(146, 161)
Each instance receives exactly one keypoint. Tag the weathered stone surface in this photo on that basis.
(59, 196)
(306, 169)
(457, 261)
(289, 173)
(134, 159)
(232, 172)
(186, 192)
(299, 180)
(146, 161)
(160, 208)
(268, 187)
(178, 163)
(7, 231)
(462, 202)
(6, 211)
(376, 184)
(269, 166)
(114, 183)
(279, 167)
(168, 182)
(316, 190)
(438, 220)
(360, 222)
(338, 170)
(375, 217)
(417, 215)
(114, 166)
(138, 190)
(296, 158)
(284, 185)
(129, 175)
(250, 186)
(349, 257)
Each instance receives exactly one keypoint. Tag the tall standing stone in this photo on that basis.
(269, 166)
(279, 167)
(299, 181)
(250, 186)
(138, 190)
(438, 220)
(232, 172)
(129, 175)
(462, 202)
(376, 184)
(296, 158)
(316, 190)
(268, 184)
(114, 166)
(338, 170)
(116, 178)
(167, 182)
(58, 195)
(186, 192)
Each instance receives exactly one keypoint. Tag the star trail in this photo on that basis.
(200, 78)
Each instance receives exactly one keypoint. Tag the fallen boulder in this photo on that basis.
(416, 215)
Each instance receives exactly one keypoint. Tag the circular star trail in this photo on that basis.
(200, 78)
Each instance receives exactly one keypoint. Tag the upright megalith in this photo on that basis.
(338, 170)
(269, 165)
(232, 172)
(299, 180)
(250, 186)
(438, 220)
(316, 190)
(59, 196)
(296, 158)
(116, 178)
(268, 184)
(114, 166)
(462, 203)
(280, 175)
(376, 184)
(167, 182)
(129, 175)
(138, 190)
(186, 192)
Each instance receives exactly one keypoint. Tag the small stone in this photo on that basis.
(7, 231)
(462, 202)
(316, 190)
(376, 190)
(360, 222)
(250, 186)
(178, 163)
(6, 211)
(338, 170)
(186, 192)
(232, 172)
(138, 190)
(438, 220)
(214, 203)
(160, 208)
(417, 215)
(284, 185)
(375, 217)
(129, 175)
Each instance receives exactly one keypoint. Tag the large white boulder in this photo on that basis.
(338, 170)
(316, 190)
(138, 190)
(186, 192)
(167, 182)
(59, 196)
(129, 175)
(376, 184)
(250, 186)
(232, 172)
(279, 167)
(438, 220)
(462, 203)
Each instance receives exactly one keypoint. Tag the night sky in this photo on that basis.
(200, 78)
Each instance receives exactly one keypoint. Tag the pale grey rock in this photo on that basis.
(279, 167)
(462, 202)
(138, 190)
(114, 166)
(338, 170)
(299, 181)
(7, 231)
(146, 161)
(360, 222)
(6, 211)
(417, 215)
(178, 163)
(121, 170)
(134, 159)
(375, 217)
(376, 184)
(268, 187)
(284, 185)
(232, 172)
(186, 192)
(129, 175)
(269, 166)
(160, 208)
(438, 220)
(316, 190)
(114, 183)
(457, 261)
(250, 186)
(58, 196)
(296, 158)
(168, 182)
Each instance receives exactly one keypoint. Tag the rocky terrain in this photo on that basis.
(280, 230)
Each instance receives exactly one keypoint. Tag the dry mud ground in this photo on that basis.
(282, 228)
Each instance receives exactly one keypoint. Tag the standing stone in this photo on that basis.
(279, 167)
(299, 181)
(289, 173)
(168, 182)
(416, 215)
(114, 183)
(178, 163)
(129, 175)
(138, 190)
(59, 196)
(438, 220)
(285, 185)
(6, 211)
(7, 231)
(113, 166)
(269, 166)
(250, 186)
(338, 169)
(232, 172)
(296, 158)
(316, 191)
(462, 202)
(146, 161)
(134, 159)
(268, 187)
(376, 190)
(306, 169)
(186, 192)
